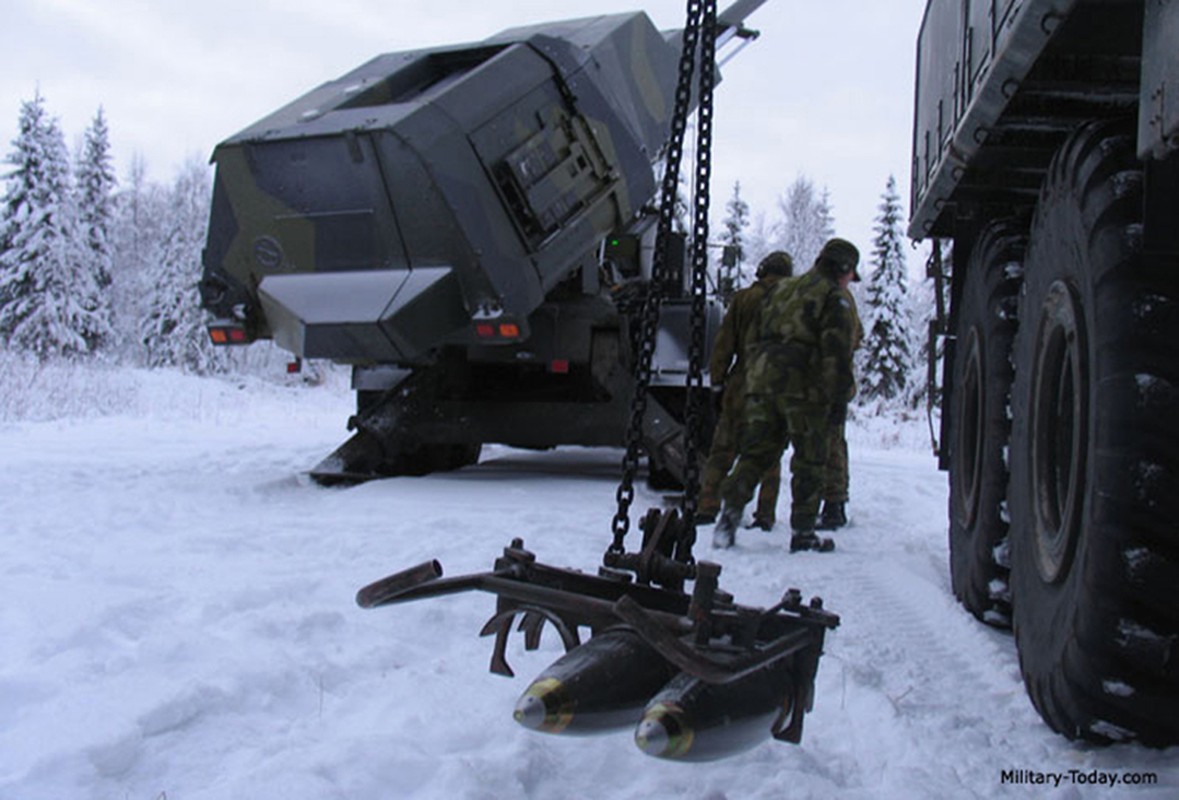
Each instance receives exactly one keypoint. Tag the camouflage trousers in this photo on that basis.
(835, 485)
(725, 443)
(770, 423)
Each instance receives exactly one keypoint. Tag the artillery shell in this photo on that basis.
(690, 720)
(599, 686)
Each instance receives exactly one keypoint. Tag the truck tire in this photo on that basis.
(1094, 492)
(980, 423)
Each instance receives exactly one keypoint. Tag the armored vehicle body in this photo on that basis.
(469, 227)
(1046, 150)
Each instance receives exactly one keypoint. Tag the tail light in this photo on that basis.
(498, 331)
(226, 332)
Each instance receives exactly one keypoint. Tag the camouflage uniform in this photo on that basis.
(727, 367)
(799, 380)
(836, 484)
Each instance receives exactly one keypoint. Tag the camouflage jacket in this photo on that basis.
(857, 331)
(737, 329)
(857, 327)
(805, 338)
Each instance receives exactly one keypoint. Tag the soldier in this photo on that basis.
(730, 355)
(834, 514)
(797, 388)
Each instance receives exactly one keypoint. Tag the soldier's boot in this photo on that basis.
(834, 516)
(807, 540)
(725, 532)
(705, 516)
(762, 522)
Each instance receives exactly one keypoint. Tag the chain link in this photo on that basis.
(697, 11)
(699, 290)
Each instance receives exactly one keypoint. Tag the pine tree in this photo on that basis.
(736, 219)
(173, 328)
(886, 357)
(48, 299)
(806, 222)
(735, 223)
(95, 182)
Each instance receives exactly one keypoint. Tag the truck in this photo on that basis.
(1046, 161)
(471, 229)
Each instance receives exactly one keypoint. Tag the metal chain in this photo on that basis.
(650, 317)
(695, 381)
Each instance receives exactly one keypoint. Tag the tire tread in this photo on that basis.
(1121, 622)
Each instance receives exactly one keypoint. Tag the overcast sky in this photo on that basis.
(826, 91)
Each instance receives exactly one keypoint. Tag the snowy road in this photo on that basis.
(177, 621)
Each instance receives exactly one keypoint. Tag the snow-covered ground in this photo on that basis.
(177, 621)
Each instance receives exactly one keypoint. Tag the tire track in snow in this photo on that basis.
(916, 677)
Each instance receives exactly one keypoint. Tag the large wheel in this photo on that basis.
(1094, 492)
(980, 422)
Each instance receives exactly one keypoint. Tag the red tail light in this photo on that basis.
(225, 332)
(498, 331)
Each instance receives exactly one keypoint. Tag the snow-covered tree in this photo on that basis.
(735, 222)
(922, 309)
(806, 222)
(50, 300)
(95, 182)
(886, 359)
(736, 219)
(140, 208)
(172, 328)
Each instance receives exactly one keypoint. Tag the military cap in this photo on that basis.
(778, 262)
(842, 255)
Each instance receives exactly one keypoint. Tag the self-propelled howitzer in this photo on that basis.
(469, 227)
